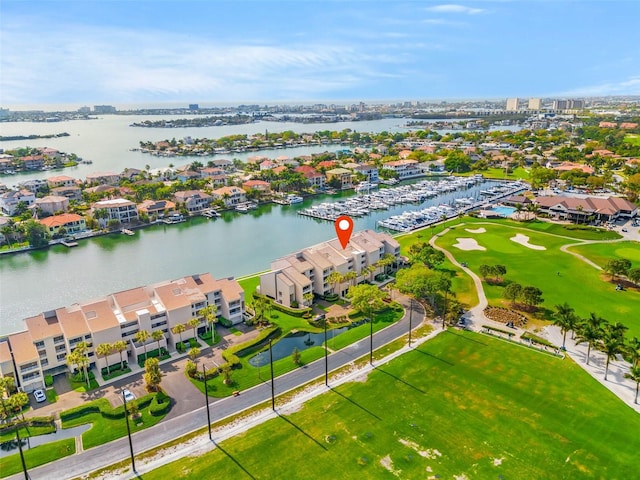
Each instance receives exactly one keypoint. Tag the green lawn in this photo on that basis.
(601, 253)
(37, 456)
(632, 138)
(461, 404)
(540, 268)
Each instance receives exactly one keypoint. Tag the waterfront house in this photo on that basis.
(369, 171)
(187, 175)
(125, 211)
(103, 178)
(343, 175)
(314, 178)
(404, 168)
(61, 181)
(33, 162)
(50, 152)
(72, 193)
(41, 349)
(131, 173)
(34, 185)
(307, 271)
(71, 222)
(156, 207)
(230, 195)
(52, 204)
(6, 163)
(259, 185)
(194, 201)
(223, 163)
(9, 200)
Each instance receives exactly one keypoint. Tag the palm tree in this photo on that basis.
(209, 315)
(193, 353)
(157, 335)
(79, 358)
(193, 323)
(612, 343)
(565, 319)
(334, 278)
(260, 304)
(141, 337)
(308, 298)
(590, 330)
(104, 350)
(179, 330)
(633, 350)
(120, 346)
(350, 277)
(634, 374)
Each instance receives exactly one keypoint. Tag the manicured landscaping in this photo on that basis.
(551, 270)
(460, 404)
(37, 456)
(632, 138)
(108, 423)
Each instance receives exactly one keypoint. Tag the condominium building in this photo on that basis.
(535, 104)
(41, 349)
(512, 104)
(294, 276)
(118, 209)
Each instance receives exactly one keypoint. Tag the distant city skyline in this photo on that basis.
(141, 52)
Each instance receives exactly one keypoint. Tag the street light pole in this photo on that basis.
(206, 399)
(370, 336)
(24, 464)
(273, 395)
(326, 353)
(126, 416)
(410, 316)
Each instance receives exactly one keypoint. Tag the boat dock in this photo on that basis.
(127, 232)
(69, 243)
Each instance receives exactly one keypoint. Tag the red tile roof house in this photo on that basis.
(71, 222)
(628, 126)
(314, 178)
(608, 125)
(33, 162)
(259, 185)
(580, 209)
(230, 195)
(156, 207)
(568, 166)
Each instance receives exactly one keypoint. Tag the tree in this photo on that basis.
(179, 330)
(260, 304)
(209, 315)
(512, 292)
(104, 350)
(427, 254)
(617, 266)
(634, 375)
(612, 343)
(152, 374)
(296, 357)
(485, 270)
(634, 275)
(193, 323)
(190, 368)
(157, 335)
(334, 278)
(633, 350)
(590, 330)
(36, 234)
(6, 386)
(16, 402)
(193, 353)
(531, 296)
(225, 371)
(141, 337)
(366, 298)
(120, 346)
(308, 298)
(79, 358)
(564, 318)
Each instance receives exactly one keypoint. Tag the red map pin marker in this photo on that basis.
(344, 228)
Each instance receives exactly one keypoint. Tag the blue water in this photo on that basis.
(503, 211)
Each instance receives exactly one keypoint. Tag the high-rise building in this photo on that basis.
(104, 109)
(512, 104)
(560, 104)
(575, 104)
(535, 104)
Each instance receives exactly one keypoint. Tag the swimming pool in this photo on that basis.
(503, 211)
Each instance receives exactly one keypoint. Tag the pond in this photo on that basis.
(300, 340)
(10, 447)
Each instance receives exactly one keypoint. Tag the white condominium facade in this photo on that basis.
(41, 349)
(307, 271)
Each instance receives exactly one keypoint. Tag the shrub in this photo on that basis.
(224, 322)
(180, 347)
(537, 339)
(231, 354)
(48, 380)
(193, 343)
(160, 404)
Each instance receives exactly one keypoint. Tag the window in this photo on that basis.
(29, 376)
(87, 337)
(42, 353)
(58, 339)
(44, 362)
(61, 357)
(159, 324)
(128, 325)
(61, 348)
(128, 334)
(39, 344)
(29, 366)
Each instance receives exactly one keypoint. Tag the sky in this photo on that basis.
(240, 51)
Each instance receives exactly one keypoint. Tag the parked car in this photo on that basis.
(128, 395)
(40, 396)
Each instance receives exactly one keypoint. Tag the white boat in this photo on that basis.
(291, 199)
(242, 208)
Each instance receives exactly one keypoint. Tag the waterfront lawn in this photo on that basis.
(107, 428)
(540, 268)
(249, 285)
(461, 405)
(518, 173)
(37, 456)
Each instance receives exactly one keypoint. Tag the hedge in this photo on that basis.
(494, 329)
(231, 354)
(31, 422)
(295, 312)
(537, 339)
(103, 407)
(160, 404)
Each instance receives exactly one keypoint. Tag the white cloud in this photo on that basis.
(453, 8)
(110, 63)
(630, 86)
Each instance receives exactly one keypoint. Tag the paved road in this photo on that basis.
(172, 428)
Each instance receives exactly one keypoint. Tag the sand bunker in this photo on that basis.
(477, 230)
(524, 241)
(468, 244)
